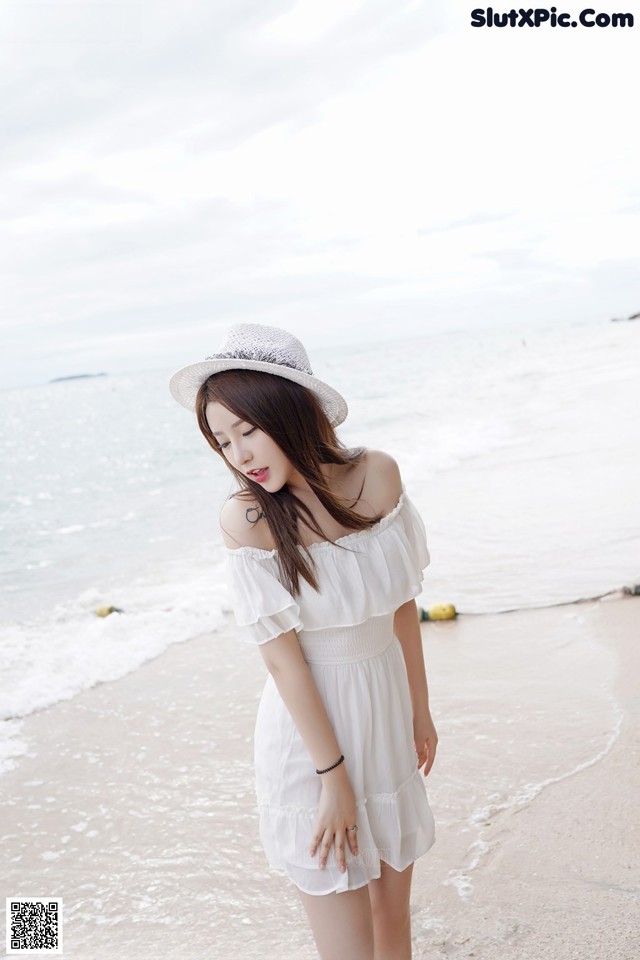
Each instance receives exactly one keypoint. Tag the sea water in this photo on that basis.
(519, 446)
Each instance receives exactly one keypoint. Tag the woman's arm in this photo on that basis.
(284, 661)
(290, 671)
(406, 627)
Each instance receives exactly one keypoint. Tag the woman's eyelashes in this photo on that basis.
(221, 446)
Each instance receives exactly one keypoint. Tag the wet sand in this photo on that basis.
(134, 801)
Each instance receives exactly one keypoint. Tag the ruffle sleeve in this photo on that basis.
(416, 534)
(262, 607)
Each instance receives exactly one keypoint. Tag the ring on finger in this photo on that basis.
(354, 828)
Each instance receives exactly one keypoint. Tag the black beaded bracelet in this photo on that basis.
(336, 764)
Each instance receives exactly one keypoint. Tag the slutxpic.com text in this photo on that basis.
(547, 17)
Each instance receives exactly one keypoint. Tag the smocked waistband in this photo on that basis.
(343, 644)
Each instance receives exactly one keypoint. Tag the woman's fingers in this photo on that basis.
(431, 755)
(324, 841)
(340, 859)
(352, 840)
(314, 844)
(427, 754)
(326, 845)
(322, 838)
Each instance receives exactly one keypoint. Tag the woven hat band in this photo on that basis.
(263, 355)
(264, 344)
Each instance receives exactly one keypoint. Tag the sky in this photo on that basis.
(347, 170)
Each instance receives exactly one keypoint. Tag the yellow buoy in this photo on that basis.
(105, 611)
(439, 611)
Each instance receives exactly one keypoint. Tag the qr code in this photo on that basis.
(34, 926)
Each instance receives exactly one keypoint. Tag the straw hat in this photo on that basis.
(255, 346)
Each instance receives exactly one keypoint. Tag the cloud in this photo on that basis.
(169, 168)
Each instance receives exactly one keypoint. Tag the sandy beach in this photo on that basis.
(135, 804)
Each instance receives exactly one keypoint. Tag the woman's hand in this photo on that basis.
(425, 738)
(337, 812)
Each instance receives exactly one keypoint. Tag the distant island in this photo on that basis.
(634, 316)
(77, 376)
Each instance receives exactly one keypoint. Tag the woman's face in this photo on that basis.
(248, 448)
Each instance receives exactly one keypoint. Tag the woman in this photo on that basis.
(325, 554)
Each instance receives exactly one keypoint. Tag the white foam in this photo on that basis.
(481, 817)
(12, 746)
(54, 657)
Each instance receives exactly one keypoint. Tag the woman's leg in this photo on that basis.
(341, 924)
(389, 896)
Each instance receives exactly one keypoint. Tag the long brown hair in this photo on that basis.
(295, 420)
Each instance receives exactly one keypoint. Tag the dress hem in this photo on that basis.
(396, 828)
(281, 871)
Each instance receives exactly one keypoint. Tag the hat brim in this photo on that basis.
(185, 383)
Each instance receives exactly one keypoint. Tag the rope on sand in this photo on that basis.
(447, 611)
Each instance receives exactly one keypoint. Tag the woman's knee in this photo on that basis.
(390, 918)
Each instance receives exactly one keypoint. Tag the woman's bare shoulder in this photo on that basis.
(243, 523)
(383, 480)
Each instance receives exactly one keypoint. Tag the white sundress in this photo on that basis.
(346, 635)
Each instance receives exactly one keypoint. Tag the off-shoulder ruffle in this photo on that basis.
(380, 569)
